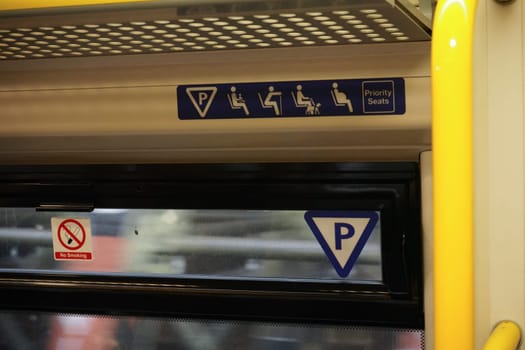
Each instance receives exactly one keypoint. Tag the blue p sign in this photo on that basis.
(340, 235)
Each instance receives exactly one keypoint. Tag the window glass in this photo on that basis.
(29, 330)
(228, 243)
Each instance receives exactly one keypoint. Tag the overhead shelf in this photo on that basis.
(98, 84)
(178, 26)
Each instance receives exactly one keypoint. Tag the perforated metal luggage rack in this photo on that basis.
(164, 27)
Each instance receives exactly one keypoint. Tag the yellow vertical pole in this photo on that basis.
(452, 174)
(33, 4)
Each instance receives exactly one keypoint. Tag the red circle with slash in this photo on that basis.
(70, 233)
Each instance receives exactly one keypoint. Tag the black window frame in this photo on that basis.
(390, 188)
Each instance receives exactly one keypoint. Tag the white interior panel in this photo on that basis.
(122, 109)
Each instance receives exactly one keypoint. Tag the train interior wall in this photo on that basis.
(499, 158)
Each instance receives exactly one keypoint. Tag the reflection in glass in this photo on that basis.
(224, 243)
(28, 331)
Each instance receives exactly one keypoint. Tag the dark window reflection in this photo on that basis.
(26, 330)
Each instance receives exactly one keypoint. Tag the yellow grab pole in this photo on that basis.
(506, 336)
(452, 174)
(33, 4)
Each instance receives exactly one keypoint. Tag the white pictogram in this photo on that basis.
(273, 99)
(301, 101)
(202, 97)
(340, 98)
(237, 101)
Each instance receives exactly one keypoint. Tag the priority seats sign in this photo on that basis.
(72, 239)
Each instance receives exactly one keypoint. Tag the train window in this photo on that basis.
(30, 330)
(227, 243)
(224, 248)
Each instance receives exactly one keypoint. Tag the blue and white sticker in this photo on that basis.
(313, 98)
(342, 235)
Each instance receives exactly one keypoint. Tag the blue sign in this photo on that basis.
(317, 98)
(342, 235)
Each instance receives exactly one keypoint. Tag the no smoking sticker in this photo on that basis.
(72, 239)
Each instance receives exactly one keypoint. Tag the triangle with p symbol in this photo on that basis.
(342, 235)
